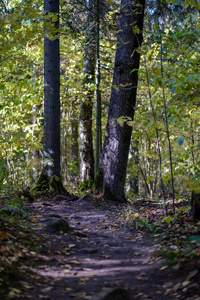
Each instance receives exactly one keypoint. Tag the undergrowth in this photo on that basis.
(177, 237)
(17, 242)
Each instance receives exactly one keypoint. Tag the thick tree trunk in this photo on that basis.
(86, 145)
(195, 205)
(123, 97)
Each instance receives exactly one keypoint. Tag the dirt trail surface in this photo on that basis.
(100, 260)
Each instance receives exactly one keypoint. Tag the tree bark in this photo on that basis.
(51, 143)
(98, 140)
(86, 145)
(51, 170)
(115, 151)
(195, 205)
(135, 179)
(74, 141)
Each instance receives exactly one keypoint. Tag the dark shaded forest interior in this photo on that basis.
(99, 151)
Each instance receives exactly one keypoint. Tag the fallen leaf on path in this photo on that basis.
(47, 289)
(14, 292)
(192, 274)
(4, 249)
(68, 266)
(139, 295)
(136, 215)
(79, 295)
(66, 271)
(176, 287)
(106, 256)
(26, 285)
(67, 289)
(158, 292)
(3, 235)
(76, 262)
(141, 278)
(84, 280)
(186, 283)
(163, 268)
(86, 229)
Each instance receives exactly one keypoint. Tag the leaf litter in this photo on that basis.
(112, 245)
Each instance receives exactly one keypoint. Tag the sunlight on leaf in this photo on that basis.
(167, 219)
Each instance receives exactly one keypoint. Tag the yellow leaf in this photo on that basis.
(74, 262)
(14, 292)
(137, 215)
(142, 278)
(66, 271)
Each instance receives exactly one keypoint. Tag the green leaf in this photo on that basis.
(194, 238)
(2, 86)
(145, 123)
(180, 171)
(150, 178)
(180, 140)
(167, 219)
(173, 90)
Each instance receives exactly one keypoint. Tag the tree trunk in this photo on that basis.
(86, 145)
(98, 144)
(51, 144)
(51, 174)
(135, 179)
(195, 205)
(115, 151)
(75, 144)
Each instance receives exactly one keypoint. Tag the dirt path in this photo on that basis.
(100, 257)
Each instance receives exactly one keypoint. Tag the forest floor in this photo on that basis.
(112, 252)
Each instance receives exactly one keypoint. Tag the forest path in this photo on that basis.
(101, 257)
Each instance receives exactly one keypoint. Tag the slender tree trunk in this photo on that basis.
(98, 144)
(135, 179)
(157, 137)
(51, 144)
(64, 143)
(86, 145)
(74, 139)
(115, 151)
(166, 120)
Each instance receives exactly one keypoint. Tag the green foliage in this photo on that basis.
(86, 185)
(21, 92)
(181, 82)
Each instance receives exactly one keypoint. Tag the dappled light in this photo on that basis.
(99, 149)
